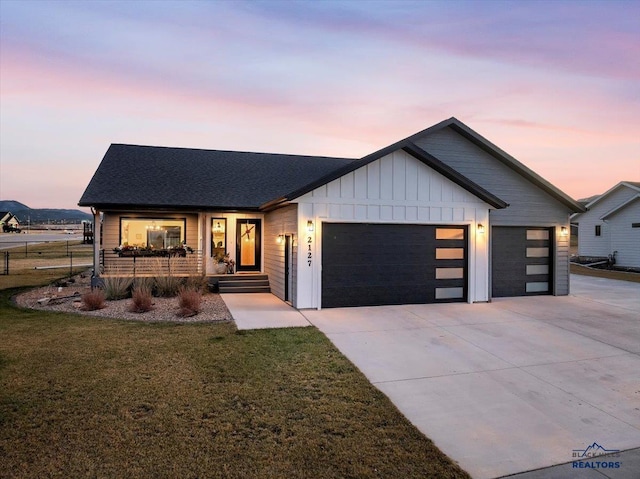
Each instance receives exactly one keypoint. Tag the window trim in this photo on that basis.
(152, 218)
(213, 246)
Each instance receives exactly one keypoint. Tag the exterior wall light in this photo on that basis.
(480, 228)
(564, 231)
(310, 226)
(280, 239)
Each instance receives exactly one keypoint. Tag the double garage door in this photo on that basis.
(380, 264)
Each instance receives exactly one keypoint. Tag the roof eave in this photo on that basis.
(156, 207)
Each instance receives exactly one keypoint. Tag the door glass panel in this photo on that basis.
(537, 287)
(248, 244)
(537, 234)
(449, 293)
(537, 269)
(449, 273)
(449, 253)
(537, 252)
(449, 233)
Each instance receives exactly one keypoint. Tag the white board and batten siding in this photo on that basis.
(529, 205)
(394, 189)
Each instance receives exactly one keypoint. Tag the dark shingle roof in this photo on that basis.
(149, 176)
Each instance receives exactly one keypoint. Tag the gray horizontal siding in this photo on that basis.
(588, 243)
(529, 205)
(281, 221)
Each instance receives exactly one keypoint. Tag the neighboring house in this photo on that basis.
(8, 220)
(612, 224)
(443, 215)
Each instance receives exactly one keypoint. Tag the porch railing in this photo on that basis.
(114, 264)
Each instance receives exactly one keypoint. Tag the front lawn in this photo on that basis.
(84, 397)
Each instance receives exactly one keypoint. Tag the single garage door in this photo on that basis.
(521, 260)
(378, 264)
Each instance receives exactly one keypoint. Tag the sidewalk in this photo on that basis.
(262, 311)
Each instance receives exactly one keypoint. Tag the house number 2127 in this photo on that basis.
(309, 254)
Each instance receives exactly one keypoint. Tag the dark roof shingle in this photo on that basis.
(149, 176)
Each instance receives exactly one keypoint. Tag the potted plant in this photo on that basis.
(220, 263)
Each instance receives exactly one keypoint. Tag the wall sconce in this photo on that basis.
(310, 226)
(280, 239)
(480, 228)
(564, 231)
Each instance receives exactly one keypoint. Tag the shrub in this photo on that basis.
(167, 285)
(198, 283)
(93, 300)
(116, 287)
(145, 282)
(189, 302)
(142, 301)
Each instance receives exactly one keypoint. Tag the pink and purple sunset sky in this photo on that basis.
(554, 83)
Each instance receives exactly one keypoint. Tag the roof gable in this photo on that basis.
(478, 140)
(415, 151)
(632, 185)
(620, 207)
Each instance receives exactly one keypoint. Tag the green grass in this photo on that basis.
(81, 397)
(23, 261)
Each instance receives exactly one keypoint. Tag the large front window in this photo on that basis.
(155, 233)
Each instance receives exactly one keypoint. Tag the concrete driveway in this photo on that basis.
(510, 386)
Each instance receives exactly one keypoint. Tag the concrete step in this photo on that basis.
(244, 289)
(241, 283)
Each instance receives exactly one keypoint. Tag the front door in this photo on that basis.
(248, 245)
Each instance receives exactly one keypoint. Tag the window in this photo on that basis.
(635, 225)
(449, 253)
(156, 233)
(218, 237)
(598, 230)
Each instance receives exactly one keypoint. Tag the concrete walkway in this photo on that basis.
(262, 311)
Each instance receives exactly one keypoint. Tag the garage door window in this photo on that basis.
(449, 253)
(449, 233)
(449, 273)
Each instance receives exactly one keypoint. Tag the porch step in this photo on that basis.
(242, 283)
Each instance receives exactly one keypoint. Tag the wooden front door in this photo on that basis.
(248, 237)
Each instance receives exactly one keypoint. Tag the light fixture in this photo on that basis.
(480, 228)
(310, 226)
(280, 239)
(564, 231)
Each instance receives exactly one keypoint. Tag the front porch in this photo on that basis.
(145, 263)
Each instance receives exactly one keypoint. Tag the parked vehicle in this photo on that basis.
(10, 229)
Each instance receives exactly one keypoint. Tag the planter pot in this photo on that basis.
(220, 268)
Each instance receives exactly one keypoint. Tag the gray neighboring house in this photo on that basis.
(443, 215)
(612, 224)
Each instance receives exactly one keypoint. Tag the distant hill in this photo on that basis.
(43, 215)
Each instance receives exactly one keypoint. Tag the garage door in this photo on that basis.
(521, 261)
(378, 264)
